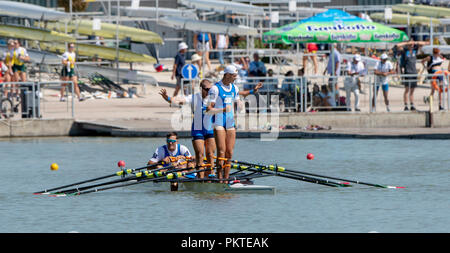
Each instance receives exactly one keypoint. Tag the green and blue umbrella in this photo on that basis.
(334, 26)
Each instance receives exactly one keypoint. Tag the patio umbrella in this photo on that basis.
(334, 26)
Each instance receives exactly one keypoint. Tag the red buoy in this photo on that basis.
(310, 156)
(121, 163)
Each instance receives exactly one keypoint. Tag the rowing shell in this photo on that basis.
(206, 187)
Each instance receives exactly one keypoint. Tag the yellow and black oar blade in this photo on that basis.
(170, 174)
(119, 173)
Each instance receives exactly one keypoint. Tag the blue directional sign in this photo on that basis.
(189, 71)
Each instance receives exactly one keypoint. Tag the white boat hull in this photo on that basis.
(206, 187)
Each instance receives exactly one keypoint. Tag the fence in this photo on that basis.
(25, 98)
(335, 93)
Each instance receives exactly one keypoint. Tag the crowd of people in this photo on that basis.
(401, 60)
(13, 68)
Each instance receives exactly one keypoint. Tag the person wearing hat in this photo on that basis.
(180, 61)
(221, 100)
(197, 61)
(383, 68)
(356, 70)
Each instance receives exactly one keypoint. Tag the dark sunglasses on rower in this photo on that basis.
(205, 89)
(171, 141)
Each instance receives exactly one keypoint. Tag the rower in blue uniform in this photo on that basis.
(201, 130)
(222, 97)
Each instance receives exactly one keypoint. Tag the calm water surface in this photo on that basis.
(422, 166)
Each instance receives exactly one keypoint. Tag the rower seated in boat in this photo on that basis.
(173, 153)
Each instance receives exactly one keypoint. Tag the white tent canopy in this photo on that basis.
(226, 7)
(206, 26)
(24, 10)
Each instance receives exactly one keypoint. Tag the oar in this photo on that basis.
(119, 173)
(282, 169)
(167, 175)
(346, 180)
(297, 177)
(153, 173)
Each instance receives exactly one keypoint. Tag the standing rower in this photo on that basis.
(20, 56)
(68, 72)
(201, 130)
(221, 103)
(8, 58)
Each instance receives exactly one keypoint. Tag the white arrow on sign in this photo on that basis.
(190, 68)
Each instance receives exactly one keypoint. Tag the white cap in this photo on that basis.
(195, 57)
(384, 57)
(182, 46)
(357, 57)
(230, 69)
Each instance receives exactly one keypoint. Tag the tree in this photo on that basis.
(77, 5)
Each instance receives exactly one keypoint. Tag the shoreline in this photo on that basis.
(406, 125)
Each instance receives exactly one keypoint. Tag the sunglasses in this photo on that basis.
(205, 89)
(171, 141)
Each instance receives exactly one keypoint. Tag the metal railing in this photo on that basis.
(303, 93)
(25, 98)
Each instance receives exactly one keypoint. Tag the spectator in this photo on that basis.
(271, 83)
(334, 70)
(288, 89)
(408, 67)
(3, 70)
(202, 44)
(383, 68)
(197, 61)
(301, 87)
(242, 67)
(256, 67)
(311, 48)
(68, 72)
(325, 99)
(434, 63)
(180, 61)
(355, 70)
(222, 42)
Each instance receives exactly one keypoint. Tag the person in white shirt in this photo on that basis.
(68, 72)
(352, 83)
(383, 68)
(173, 154)
(222, 42)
